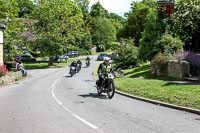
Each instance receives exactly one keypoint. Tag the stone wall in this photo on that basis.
(11, 77)
(178, 69)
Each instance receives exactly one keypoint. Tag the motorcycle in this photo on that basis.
(72, 70)
(107, 85)
(78, 68)
(87, 63)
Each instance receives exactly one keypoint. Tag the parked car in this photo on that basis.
(101, 57)
(24, 58)
(61, 57)
(112, 56)
(73, 54)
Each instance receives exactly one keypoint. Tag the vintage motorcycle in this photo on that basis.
(72, 71)
(87, 63)
(107, 85)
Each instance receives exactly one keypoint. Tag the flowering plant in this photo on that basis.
(193, 58)
(3, 70)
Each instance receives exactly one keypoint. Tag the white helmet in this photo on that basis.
(106, 59)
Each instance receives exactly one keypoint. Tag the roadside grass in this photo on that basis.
(44, 64)
(144, 71)
(182, 95)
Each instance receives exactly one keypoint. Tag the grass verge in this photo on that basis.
(182, 95)
(42, 65)
(164, 91)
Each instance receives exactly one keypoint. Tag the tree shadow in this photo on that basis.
(139, 69)
(183, 83)
(94, 95)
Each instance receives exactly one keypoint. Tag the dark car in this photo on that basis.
(25, 58)
(101, 56)
(112, 56)
(73, 54)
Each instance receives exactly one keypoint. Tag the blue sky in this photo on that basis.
(116, 6)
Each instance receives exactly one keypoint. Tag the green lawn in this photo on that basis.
(37, 65)
(149, 87)
(182, 95)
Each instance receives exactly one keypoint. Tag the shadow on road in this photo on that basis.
(67, 76)
(94, 95)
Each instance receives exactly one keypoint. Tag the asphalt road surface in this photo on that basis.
(52, 102)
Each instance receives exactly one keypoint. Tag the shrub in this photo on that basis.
(11, 64)
(152, 32)
(127, 55)
(193, 58)
(168, 45)
(159, 63)
(3, 70)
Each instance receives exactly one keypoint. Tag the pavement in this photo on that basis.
(52, 102)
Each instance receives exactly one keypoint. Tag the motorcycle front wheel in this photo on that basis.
(99, 91)
(111, 89)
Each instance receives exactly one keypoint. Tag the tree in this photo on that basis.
(8, 13)
(186, 22)
(152, 32)
(103, 31)
(84, 5)
(26, 7)
(58, 21)
(135, 22)
(127, 54)
(97, 10)
(8, 9)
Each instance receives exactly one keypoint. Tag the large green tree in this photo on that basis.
(8, 14)
(97, 10)
(58, 21)
(186, 22)
(103, 31)
(26, 7)
(84, 5)
(135, 22)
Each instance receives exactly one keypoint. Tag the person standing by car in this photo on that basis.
(103, 69)
(21, 67)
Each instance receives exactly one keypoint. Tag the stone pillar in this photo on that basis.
(2, 27)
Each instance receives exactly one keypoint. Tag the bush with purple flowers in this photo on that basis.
(193, 58)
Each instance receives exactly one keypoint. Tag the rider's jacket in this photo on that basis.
(88, 59)
(73, 64)
(104, 69)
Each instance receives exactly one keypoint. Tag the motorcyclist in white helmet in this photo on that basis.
(104, 68)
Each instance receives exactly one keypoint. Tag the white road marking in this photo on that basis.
(69, 111)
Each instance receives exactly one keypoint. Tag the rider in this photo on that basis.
(104, 68)
(79, 64)
(79, 61)
(74, 64)
(87, 59)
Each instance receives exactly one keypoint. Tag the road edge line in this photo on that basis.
(173, 106)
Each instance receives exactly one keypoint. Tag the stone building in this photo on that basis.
(2, 27)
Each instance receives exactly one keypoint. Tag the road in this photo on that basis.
(52, 102)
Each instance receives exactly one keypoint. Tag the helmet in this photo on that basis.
(79, 59)
(106, 59)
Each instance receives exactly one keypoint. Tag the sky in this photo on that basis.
(116, 6)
